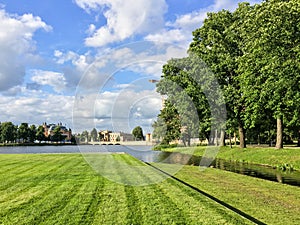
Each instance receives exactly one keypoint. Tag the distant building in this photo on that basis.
(106, 135)
(49, 130)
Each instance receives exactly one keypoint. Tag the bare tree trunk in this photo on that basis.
(242, 136)
(298, 139)
(279, 134)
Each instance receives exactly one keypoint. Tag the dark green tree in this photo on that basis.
(270, 70)
(8, 132)
(32, 133)
(23, 132)
(40, 134)
(137, 132)
(57, 136)
(217, 43)
(167, 127)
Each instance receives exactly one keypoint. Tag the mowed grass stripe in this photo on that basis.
(20, 182)
(184, 196)
(47, 188)
(73, 193)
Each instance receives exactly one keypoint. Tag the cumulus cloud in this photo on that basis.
(124, 19)
(56, 80)
(37, 109)
(16, 46)
(120, 110)
(180, 30)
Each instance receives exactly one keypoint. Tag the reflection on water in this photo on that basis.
(145, 154)
(259, 171)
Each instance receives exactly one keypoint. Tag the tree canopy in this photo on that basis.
(253, 53)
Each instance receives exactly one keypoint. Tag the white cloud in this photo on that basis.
(37, 109)
(53, 79)
(117, 110)
(124, 19)
(180, 30)
(16, 46)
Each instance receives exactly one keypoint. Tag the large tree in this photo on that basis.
(270, 69)
(217, 43)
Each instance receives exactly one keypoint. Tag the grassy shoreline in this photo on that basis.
(64, 189)
(255, 155)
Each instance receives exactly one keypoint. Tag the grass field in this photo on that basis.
(63, 189)
(258, 155)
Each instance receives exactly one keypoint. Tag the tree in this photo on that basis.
(57, 136)
(40, 134)
(270, 70)
(217, 43)
(85, 135)
(94, 134)
(8, 132)
(32, 133)
(137, 132)
(167, 126)
(23, 132)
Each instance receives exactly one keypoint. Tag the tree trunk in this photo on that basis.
(222, 138)
(230, 143)
(242, 136)
(216, 138)
(298, 139)
(279, 134)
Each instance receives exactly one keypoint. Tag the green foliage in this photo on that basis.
(94, 134)
(23, 132)
(254, 54)
(137, 132)
(57, 136)
(40, 134)
(8, 132)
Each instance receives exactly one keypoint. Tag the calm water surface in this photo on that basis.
(145, 153)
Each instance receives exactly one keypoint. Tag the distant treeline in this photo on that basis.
(22, 134)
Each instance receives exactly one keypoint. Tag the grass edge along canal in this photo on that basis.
(63, 189)
(256, 155)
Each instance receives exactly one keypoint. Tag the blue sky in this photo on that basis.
(86, 63)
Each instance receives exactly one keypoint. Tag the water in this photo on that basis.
(145, 154)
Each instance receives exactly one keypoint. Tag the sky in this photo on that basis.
(87, 63)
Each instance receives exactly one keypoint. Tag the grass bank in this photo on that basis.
(258, 155)
(269, 202)
(63, 189)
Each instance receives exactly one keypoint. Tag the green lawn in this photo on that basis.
(63, 189)
(270, 202)
(259, 155)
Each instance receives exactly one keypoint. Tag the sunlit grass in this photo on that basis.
(270, 202)
(64, 189)
(258, 155)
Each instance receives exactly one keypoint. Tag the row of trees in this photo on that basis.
(10, 133)
(253, 54)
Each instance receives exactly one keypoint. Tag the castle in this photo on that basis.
(49, 130)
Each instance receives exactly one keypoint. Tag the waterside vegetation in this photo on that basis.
(287, 157)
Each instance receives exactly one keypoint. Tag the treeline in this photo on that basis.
(246, 62)
(10, 133)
